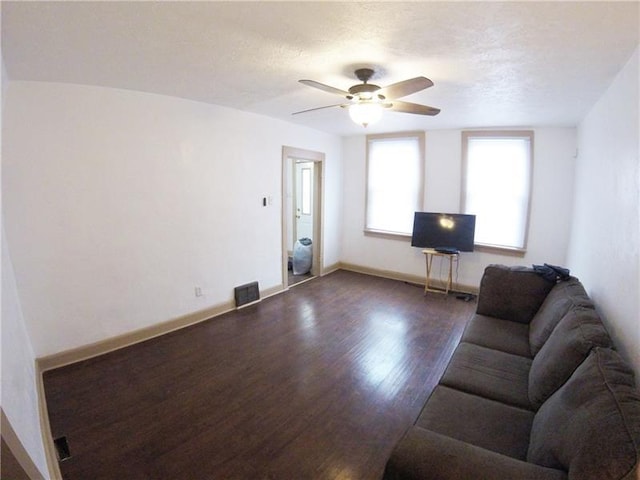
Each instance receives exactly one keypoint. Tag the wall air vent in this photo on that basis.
(247, 294)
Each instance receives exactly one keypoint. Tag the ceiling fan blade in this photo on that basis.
(407, 107)
(326, 88)
(318, 108)
(406, 87)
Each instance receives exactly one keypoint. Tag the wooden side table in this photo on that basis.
(429, 253)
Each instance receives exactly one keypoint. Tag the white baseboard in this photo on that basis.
(405, 277)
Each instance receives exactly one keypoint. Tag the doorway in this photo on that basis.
(302, 180)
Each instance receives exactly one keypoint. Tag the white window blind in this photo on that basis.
(497, 186)
(395, 166)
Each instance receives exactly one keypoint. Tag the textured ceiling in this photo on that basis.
(493, 64)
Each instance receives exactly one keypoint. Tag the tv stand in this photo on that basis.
(429, 253)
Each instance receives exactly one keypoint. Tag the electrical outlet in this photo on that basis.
(198, 292)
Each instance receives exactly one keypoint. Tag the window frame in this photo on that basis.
(420, 136)
(498, 134)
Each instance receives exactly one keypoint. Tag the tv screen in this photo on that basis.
(448, 232)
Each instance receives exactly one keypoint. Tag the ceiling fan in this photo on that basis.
(366, 101)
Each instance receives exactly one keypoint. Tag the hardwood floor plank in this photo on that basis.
(319, 382)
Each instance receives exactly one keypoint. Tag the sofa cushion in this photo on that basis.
(569, 344)
(511, 293)
(489, 373)
(426, 455)
(563, 296)
(479, 421)
(591, 425)
(503, 335)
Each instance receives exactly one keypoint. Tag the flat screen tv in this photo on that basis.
(445, 232)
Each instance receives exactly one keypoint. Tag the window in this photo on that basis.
(306, 191)
(496, 186)
(395, 178)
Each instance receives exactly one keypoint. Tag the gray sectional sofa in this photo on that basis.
(534, 390)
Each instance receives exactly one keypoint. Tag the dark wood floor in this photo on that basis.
(293, 279)
(10, 466)
(319, 382)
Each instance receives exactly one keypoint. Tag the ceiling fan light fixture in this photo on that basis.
(365, 100)
(365, 113)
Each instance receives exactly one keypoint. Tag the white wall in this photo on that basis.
(551, 207)
(19, 394)
(3, 84)
(605, 239)
(119, 203)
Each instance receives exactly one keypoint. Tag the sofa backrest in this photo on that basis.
(562, 297)
(590, 427)
(512, 293)
(579, 330)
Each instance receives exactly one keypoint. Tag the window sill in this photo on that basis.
(500, 250)
(478, 247)
(389, 235)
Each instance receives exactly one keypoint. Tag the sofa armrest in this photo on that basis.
(512, 293)
(426, 455)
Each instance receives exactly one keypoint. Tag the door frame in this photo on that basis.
(289, 157)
